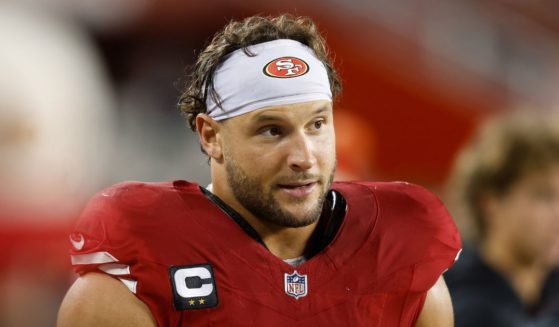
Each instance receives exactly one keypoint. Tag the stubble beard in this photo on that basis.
(251, 195)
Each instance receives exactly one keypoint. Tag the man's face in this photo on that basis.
(280, 161)
(527, 217)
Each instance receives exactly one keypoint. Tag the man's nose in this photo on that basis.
(301, 153)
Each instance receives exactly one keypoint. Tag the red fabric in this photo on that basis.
(395, 241)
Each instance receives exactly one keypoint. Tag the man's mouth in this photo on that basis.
(298, 189)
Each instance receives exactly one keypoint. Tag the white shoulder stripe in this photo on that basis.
(130, 283)
(115, 269)
(93, 258)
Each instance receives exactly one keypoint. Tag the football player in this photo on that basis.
(273, 241)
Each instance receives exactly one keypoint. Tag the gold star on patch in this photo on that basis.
(191, 302)
(201, 301)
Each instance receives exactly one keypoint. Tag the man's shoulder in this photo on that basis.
(400, 203)
(127, 205)
(145, 190)
(412, 229)
(412, 208)
(135, 195)
(403, 192)
(122, 222)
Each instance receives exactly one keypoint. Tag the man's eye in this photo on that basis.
(318, 124)
(272, 131)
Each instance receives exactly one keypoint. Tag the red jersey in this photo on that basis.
(195, 266)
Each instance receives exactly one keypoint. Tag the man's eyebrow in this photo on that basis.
(321, 109)
(271, 117)
(267, 117)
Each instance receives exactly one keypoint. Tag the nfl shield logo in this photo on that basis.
(295, 285)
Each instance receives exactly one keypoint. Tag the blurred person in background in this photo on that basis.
(273, 241)
(505, 189)
(56, 115)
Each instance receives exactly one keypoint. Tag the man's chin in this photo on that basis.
(297, 221)
(302, 213)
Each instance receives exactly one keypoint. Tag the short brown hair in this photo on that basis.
(505, 149)
(240, 35)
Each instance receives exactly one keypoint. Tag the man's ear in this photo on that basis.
(209, 134)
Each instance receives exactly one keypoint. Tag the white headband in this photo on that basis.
(281, 72)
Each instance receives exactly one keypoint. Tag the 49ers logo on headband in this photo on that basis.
(286, 67)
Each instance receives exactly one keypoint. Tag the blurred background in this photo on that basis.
(88, 91)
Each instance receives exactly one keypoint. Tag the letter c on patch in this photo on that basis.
(183, 290)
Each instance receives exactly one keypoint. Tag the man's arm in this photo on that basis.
(99, 300)
(437, 310)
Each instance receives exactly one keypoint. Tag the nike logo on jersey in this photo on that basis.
(193, 287)
(79, 243)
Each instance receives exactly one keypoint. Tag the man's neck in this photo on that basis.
(283, 242)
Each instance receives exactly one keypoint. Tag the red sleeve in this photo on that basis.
(104, 239)
(416, 232)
